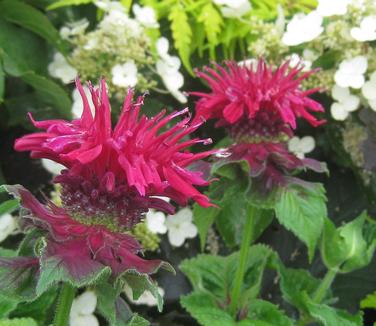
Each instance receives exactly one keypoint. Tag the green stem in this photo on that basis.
(64, 305)
(327, 281)
(244, 250)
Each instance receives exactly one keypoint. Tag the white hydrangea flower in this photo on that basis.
(155, 221)
(303, 28)
(168, 69)
(82, 311)
(75, 28)
(328, 8)
(125, 75)
(369, 91)
(60, 68)
(145, 16)
(145, 298)
(51, 166)
(180, 227)
(301, 146)
(351, 72)
(366, 31)
(295, 59)
(8, 226)
(118, 19)
(107, 5)
(233, 8)
(78, 106)
(346, 103)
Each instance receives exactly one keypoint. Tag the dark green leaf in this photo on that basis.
(18, 322)
(50, 92)
(329, 316)
(203, 219)
(202, 308)
(265, 311)
(18, 60)
(8, 206)
(302, 211)
(30, 18)
(64, 3)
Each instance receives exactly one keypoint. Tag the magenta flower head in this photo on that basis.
(113, 177)
(259, 107)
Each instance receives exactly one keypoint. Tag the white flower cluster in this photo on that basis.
(179, 227)
(301, 146)
(168, 69)
(61, 69)
(349, 76)
(82, 311)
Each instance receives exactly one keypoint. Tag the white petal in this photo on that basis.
(179, 96)
(372, 105)
(190, 230)
(307, 143)
(340, 93)
(8, 225)
(342, 79)
(155, 222)
(175, 238)
(356, 81)
(52, 167)
(84, 320)
(293, 144)
(162, 46)
(84, 304)
(369, 90)
(338, 112)
(351, 103)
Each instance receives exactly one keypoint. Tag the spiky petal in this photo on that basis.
(135, 157)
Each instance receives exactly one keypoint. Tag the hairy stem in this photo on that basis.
(324, 286)
(244, 250)
(64, 305)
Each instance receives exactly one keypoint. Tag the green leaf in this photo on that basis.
(296, 284)
(213, 275)
(181, 33)
(302, 211)
(137, 320)
(2, 81)
(204, 218)
(37, 309)
(346, 249)
(139, 283)
(64, 3)
(30, 18)
(202, 308)
(18, 322)
(50, 92)
(111, 306)
(212, 22)
(8, 206)
(369, 301)
(6, 306)
(16, 59)
(329, 316)
(264, 311)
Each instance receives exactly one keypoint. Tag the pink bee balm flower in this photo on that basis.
(272, 100)
(259, 106)
(81, 248)
(118, 172)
